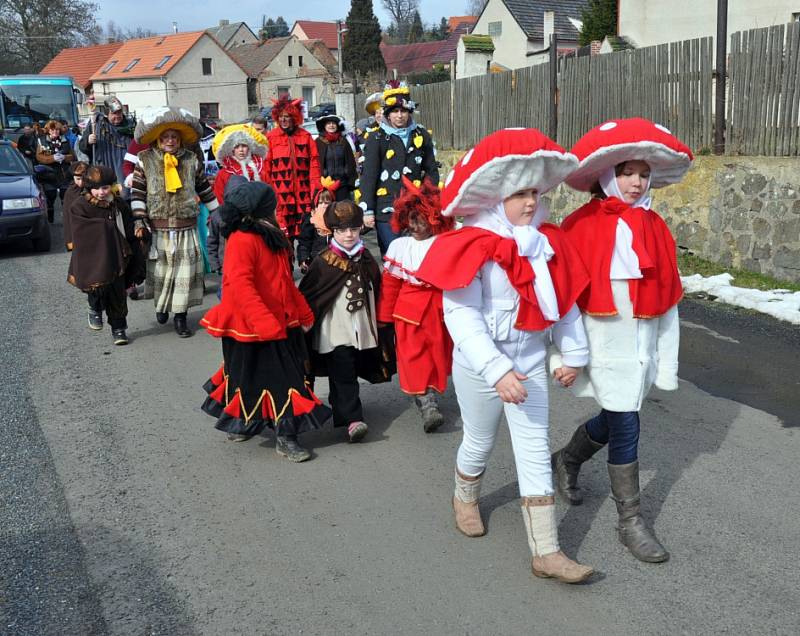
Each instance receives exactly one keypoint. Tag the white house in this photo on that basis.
(651, 22)
(521, 28)
(304, 69)
(189, 70)
(230, 34)
(473, 55)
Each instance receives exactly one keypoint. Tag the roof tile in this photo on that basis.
(150, 52)
(325, 31)
(82, 62)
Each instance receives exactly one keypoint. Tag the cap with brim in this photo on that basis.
(231, 136)
(324, 120)
(636, 139)
(154, 121)
(501, 164)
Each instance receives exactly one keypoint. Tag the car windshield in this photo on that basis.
(11, 162)
(31, 103)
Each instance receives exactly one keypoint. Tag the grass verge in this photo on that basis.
(691, 264)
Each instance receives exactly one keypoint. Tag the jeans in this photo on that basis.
(385, 235)
(620, 431)
(481, 413)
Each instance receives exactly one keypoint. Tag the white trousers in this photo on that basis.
(481, 410)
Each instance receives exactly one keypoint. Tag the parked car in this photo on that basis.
(320, 110)
(23, 208)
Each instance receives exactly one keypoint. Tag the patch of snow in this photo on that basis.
(779, 303)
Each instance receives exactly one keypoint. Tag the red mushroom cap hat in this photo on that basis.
(620, 140)
(501, 164)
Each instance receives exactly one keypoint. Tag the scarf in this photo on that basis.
(172, 179)
(402, 133)
(624, 261)
(345, 253)
(332, 137)
(531, 244)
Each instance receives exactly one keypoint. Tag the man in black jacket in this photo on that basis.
(106, 138)
(400, 147)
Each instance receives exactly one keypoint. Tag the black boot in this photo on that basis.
(287, 446)
(162, 317)
(95, 320)
(567, 464)
(120, 337)
(633, 533)
(180, 326)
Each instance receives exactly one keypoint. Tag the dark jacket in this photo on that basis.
(215, 242)
(309, 242)
(381, 177)
(111, 145)
(26, 144)
(346, 166)
(56, 174)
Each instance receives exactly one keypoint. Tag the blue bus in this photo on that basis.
(30, 99)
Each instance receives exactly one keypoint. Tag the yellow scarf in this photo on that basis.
(171, 177)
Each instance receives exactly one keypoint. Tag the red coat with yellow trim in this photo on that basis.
(259, 298)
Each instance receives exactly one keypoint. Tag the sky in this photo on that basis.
(158, 15)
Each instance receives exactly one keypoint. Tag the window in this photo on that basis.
(299, 60)
(796, 17)
(209, 110)
(109, 66)
(495, 28)
(290, 61)
(308, 95)
(283, 90)
(131, 64)
(163, 61)
(206, 66)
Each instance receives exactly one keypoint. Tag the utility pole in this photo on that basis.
(721, 77)
(553, 86)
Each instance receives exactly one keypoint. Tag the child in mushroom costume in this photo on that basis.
(629, 309)
(424, 348)
(510, 283)
(167, 183)
(293, 166)
(239, 149)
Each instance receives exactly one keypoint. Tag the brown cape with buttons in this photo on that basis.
(327, 275)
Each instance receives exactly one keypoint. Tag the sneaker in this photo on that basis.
(356, 431)
(238, 437)
(432, 418)
(119, 337)
(95, 320)
(290, 449)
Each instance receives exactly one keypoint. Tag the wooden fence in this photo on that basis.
(763, 115)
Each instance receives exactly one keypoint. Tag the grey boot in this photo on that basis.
(567, 464)
(429, 410)
(631, 528)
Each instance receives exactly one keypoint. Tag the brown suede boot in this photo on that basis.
(567, 462)
(465, 505)
(548, 560)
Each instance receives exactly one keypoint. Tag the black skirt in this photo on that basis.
(263, 385)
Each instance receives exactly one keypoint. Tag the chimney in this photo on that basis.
(174, 27)
(548, 26)
(110, 40)
(224, 22)
(595, 47)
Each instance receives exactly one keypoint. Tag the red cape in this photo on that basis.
(592, 230)
(455, 257)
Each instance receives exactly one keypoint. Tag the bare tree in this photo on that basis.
(32, 32)
(474, 7)
(402, 12)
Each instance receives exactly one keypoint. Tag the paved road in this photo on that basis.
(125, 512)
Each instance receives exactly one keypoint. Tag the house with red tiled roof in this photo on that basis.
(404, 59)
(189, 70)
(313, 30)
(447, 52)
(81, 63)
(455, 20)
(302, 68)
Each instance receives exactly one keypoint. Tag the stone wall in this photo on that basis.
(740, 212)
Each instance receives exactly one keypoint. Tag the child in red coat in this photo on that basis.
(424, 347)
(261, 320)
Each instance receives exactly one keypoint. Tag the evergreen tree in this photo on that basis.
(416, 31)
(444, 31)
(281, 28)
(599, 20)
(267, 29)
(361, 51)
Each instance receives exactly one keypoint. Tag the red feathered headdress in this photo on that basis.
(423, 200)
(285, 104)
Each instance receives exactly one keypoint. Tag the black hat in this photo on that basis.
(254, 199)
(325, 119)
(98, 176)
(78, 168)
(342, 215)
(234, 182)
